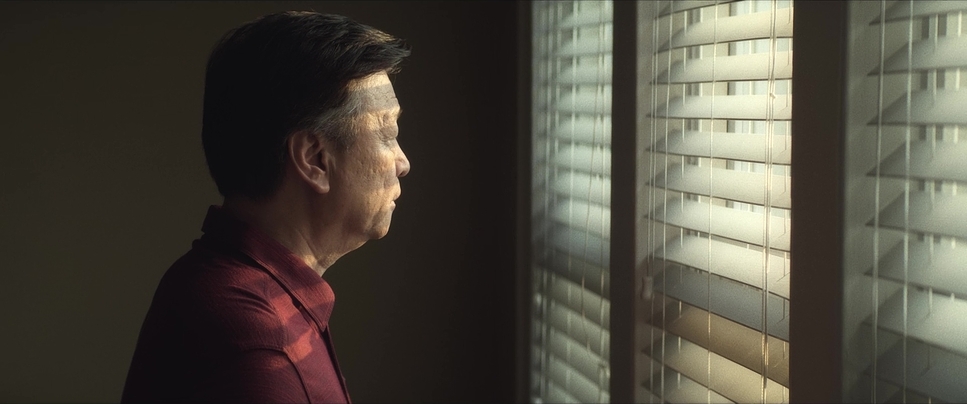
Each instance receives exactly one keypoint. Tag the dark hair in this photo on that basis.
(276, 75)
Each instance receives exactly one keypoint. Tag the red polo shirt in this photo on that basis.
(238, 318)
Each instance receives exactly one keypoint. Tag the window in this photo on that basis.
(694, 300)
(571, 215)
(718, 154)
(906, 317)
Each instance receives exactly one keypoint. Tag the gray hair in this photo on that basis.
(339, 125)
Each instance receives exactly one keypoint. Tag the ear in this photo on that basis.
(311, 157)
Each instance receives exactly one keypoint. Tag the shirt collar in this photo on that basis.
(296, 277)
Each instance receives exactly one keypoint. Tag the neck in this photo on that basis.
(288, 223)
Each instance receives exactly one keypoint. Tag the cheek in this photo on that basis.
(381, 177)
(379, 170)
(387, 169)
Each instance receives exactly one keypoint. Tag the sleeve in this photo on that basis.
(256, 376)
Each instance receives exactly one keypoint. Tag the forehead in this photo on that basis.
(377, 94)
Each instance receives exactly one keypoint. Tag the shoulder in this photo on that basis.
(226, 300)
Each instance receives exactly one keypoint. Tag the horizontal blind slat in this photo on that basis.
(731, 380)
(740, 264)
(593, 13)
(579, 328)
(729, 299)
(583, 158)
(739, 107)
(733, 185)
(945, 107)
(933, 372)
(557, 394)
(728, 68)
(937, 320)
(743, 345)
(592, 43)
(735, 224)
(595, 189)
(586, 74)
(928, 214)
(680, 389)
(900, 11)
(590, 247)
(592, 130)
(574, 383)
(579, 215)
(570, 266)
(580, 300)
(725, 145)
(945, 162)
(587, 101)
(576, 356)
(672, 7)
(938, 265)
(573, 355)
(944, 53)
(733, 28)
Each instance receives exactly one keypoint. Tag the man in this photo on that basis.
(300, 135)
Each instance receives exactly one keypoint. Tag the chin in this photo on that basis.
(379, 229)
(377, 234)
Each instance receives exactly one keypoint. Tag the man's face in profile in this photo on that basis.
(366, 178)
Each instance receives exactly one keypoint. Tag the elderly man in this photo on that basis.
(300, 136)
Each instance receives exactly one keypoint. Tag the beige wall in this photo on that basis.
(103, 184)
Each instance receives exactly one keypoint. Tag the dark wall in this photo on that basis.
(103, 184)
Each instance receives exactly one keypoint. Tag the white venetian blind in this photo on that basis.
(912, 336)
(571, 216)
(717, 296)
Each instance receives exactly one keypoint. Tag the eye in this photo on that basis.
(389, 134)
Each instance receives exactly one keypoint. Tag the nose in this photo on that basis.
(402, 165)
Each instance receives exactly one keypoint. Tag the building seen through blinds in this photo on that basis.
(906, 251)
(571, 216)
(715, 326)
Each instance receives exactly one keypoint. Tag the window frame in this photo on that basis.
(819, 109)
